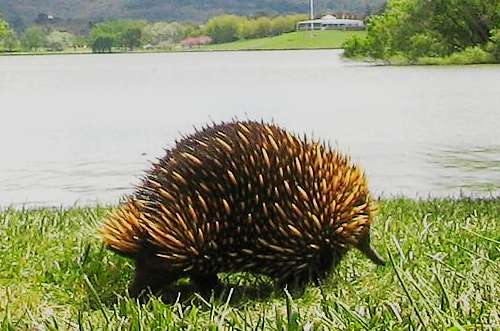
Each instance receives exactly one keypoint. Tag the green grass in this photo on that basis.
(292, 40)
(442, 273)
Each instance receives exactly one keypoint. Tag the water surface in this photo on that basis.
(81, 129)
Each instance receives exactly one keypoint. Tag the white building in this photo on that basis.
(331, 22)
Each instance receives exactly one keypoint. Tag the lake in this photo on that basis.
(81, 129)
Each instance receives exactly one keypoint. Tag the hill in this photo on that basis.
(21, 13)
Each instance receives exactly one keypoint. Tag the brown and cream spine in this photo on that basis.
(243, 196)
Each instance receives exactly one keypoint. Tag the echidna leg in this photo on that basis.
(294, 282)
(205, 282)
(370, 252)
(150, 276)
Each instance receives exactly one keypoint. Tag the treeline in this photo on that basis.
(432, 32)
(128, 35)
(132, 34)
(36, 38)
(105, 36)
(229, 28)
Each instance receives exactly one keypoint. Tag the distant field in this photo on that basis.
(292, 40)
(443, 258)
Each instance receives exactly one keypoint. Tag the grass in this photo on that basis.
(292, 40)
(442, 273)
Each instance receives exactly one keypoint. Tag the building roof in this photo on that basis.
(332, 20)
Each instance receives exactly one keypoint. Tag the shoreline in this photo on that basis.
(298, 40)
(202, 50)
(13, 54)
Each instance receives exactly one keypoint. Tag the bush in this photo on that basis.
(9, 42)
(470, 55)
(355, 47)
(426, 44)
(166, 33)
(229, 28)
(131, 37)
(8, 39)
(263, 27)
(60, 40)
(34, 38)
(284, 24)
(102, 44)
(196, 41)
(399, 59)
(223, 29)
(124, 34)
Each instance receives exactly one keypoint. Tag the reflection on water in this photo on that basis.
(81, 129)
(473, 169)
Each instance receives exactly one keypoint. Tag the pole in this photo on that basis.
(311, 16)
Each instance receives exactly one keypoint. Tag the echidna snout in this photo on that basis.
(367, 249)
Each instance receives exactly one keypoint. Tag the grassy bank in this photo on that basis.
(292, 40)
(443, 255)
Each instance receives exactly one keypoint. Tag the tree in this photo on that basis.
(4, 28)
(60, 40)
(124, 34)
(494, 46)
(263, 27)
(166, 33)
(196, 41)
(8, 39)
(421, 29)
(282, 24)
(246, 28)
(131, 37)
(102, 44)
(223, 29)
(34, 38)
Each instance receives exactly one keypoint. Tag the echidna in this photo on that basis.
(243, 196)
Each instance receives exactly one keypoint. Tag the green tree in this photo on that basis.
(223, 29)
(494, 46)
(166, 33)
(463, 22)
(283, 24)
(34, 38)
(131, 37)
(417, 29)
(102, 44)
(60, 40)
(4, 28)
(124, 34)
(8, 40)
(247, 29)
(263, 27)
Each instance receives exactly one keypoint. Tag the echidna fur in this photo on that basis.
(243, 196)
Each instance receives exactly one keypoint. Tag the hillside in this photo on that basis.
(21, 13)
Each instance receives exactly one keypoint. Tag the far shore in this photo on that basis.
(303, 40)
(187, 50)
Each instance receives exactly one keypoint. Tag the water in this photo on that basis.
(81, 129)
